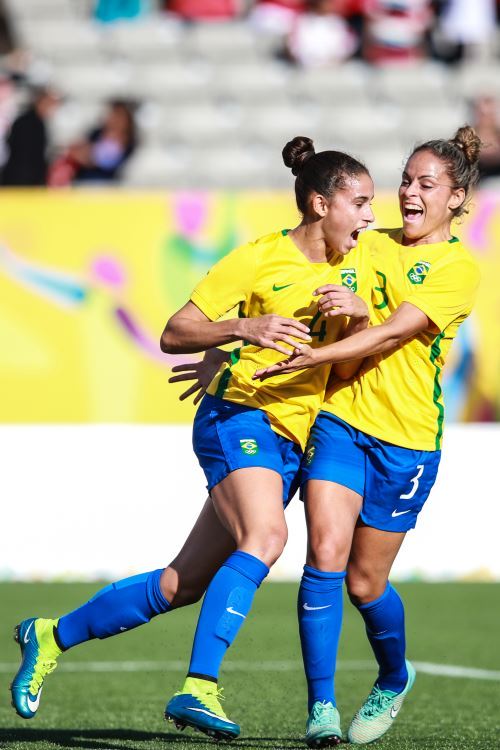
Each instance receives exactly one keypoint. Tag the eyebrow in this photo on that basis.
(421, 176)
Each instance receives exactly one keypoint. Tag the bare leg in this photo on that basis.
(331, 514)
(372, 555)
(185, 580)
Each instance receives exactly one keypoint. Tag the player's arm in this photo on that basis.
(339, 300)
(190, 330)
(404, 323)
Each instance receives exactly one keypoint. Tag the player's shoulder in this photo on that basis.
(375, 239)
(458, 258)
(259, 248)
(269, 242)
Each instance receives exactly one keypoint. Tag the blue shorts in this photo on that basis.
(229, 436)
(394, 482)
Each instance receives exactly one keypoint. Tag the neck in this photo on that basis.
(310, 240)
(443, 234)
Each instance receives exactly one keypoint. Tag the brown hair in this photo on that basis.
(461, 156)
(324, 172)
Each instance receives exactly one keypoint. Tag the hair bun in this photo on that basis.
(467, 140)
(297, 152)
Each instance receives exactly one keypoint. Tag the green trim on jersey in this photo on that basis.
(436, 395)
(226, 375)
(454, 239)
(284, 232)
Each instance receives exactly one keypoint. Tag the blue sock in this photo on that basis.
(385, 627)
(120, 606)
(319, 609)
(225, 607)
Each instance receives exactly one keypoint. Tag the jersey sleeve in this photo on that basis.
(228, 283)
(448, 292)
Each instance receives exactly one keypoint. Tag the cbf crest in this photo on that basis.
(349, 279)
(418, 272)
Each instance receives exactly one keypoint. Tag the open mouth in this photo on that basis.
(411, 211)
(356, 233)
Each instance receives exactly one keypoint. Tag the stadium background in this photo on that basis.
(98, 479)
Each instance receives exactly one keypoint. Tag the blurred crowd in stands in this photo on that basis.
(308, 33)
(319, 32)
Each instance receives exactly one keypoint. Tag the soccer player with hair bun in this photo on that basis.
(374, 450)
(248, 435)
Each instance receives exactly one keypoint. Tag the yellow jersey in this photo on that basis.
(272, 276)
(396, 396)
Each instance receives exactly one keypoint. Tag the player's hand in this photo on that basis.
(302, 358)
(339, 300)
(268, 330)
(201, 372)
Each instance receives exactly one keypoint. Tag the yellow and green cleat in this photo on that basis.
(376, 715)
(39, 652)
(198, 706)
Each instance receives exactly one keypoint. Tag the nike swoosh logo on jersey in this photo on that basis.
(396, 513)
(208, 713)
(394, 711)
(33, 705)
(277, 288)
(234, 612)
(308, 607)
(26, 639)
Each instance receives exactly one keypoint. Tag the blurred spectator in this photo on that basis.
(199, 10)
(108, 11)
(395, 30)
(276, 16)
(27, 142)
(465, 28)
(101, 156)
(6, 37)
(320, 37)
(486, 121)
(7, 114)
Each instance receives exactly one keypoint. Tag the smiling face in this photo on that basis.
(427, 199)
(347, 213)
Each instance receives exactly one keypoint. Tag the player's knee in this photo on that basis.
(187, 595)
(268, 545)
(362, 587)
(327, 553)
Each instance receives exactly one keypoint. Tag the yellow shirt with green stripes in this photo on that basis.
(272, 276)
(397, 396)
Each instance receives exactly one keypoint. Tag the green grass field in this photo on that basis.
(447, 624)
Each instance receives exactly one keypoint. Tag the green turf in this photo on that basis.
(447, 624)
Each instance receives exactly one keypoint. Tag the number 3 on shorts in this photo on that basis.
(414, 482)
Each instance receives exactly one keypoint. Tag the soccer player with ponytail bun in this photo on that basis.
(248, 436)
(374, 450)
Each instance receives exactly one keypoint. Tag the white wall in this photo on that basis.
(104, 501)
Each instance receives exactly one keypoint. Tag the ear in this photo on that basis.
(319, 204)
(457, 198)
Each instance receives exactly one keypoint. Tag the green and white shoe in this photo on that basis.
(39, 652)
(376, 715)
(323, 725)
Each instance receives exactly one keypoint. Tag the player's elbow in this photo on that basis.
(169, 341)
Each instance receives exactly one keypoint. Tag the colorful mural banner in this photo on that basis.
(88, 280)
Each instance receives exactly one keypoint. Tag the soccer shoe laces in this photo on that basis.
(377, 702)
(321, 713)
(42, 669)
(212, 697)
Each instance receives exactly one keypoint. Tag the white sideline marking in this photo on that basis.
(424, 667)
